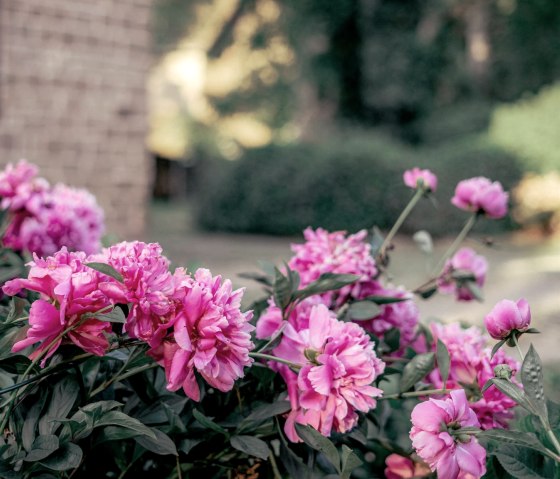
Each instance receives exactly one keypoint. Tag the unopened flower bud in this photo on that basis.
(503, 371)
(506, 317)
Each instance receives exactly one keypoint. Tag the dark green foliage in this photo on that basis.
(350, 182)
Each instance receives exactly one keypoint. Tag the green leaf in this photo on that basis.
(350, 461)
(64, 395)
(509, 460)
(282, 290)
(363, 310)
(43, 446)
(208, 423)
(474, 290)
(68, 456)
(253, 446)
(317, 441)
(393, 339)
(31, 418)
(106, 269)
(17, 308)
(497, 346)
(265, 411)
(114, 316)
(515, 438)
(15, 364)
(376, 242)
(443, 361)
(416, 369)
(381, 300)
(463, 275)
(532, 379)
(115, 433)
(427, 292)
(186, 445)
(327, 282)
(162, 445)
(120, 419)
(515, 393)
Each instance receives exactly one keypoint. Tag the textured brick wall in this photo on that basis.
(73, 100)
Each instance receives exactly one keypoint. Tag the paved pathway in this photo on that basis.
(517, 269)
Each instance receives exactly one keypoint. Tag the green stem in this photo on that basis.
(413, 394)
(122, 377)
(400, 220)
(518, 349)
(268, 357)
(455, 245)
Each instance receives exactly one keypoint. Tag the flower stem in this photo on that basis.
(122, 377)
(400, 220)
(518, 349)
(269, 357)
(412, 394)
(455, 245)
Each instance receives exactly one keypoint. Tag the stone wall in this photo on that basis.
(72, 98)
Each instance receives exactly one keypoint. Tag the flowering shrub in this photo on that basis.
(110, 354)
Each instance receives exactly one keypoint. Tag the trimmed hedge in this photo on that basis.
(346, 183)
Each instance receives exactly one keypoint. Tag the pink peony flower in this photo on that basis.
(44, 219)
(338, 367)
(472, 366)
(413, 177)
(463, 261)
(70, 296)
(506, 317)
(434, 423)
(325, 252)
(480, 195)
(400, 467)
(148, 286)
(403, 315)
(210, 335)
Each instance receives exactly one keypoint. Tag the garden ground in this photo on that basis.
(519, 267)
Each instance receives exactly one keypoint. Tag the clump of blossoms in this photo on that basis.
(44, 218)
(436, 436)
(472, 364)
(337, 253)
(463, 268)
(70, 301)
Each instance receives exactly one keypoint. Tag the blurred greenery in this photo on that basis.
(350, 181)
(303, 112)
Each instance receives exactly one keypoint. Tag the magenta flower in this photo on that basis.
(506, 317)
(148, 286)
(416, 178)
(467, 263)
(325, 252)
(480, 195)
(471, 365)
(210, 335)
(338, 367)
(433, 434)
(70, 298)
(18, 183)
(400, 467)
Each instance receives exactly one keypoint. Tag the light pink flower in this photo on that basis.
(338, 367)
(400, 467)
(70, 296)
(463, 261)
(337, 252)
(433, 424)
(426, 177)
(148, 286)
(471, 365)
(480, 195)
(506, 317)
(17, 183)
(210, 335)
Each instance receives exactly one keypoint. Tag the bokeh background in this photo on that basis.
(222, 128)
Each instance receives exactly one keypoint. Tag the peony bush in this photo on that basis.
(115, 365)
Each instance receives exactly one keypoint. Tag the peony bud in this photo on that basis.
(417, 178)
(503, 371)
(506, 317)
